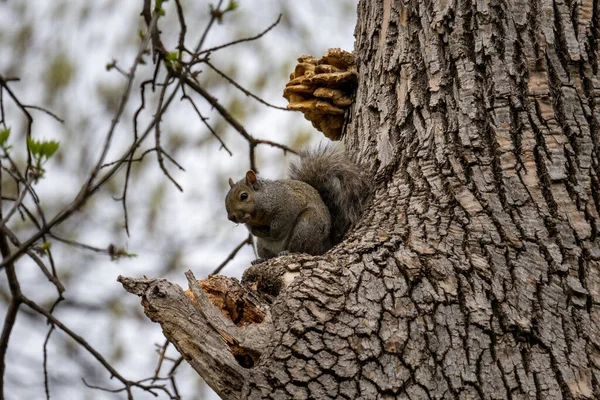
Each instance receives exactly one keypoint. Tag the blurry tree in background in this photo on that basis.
(95, 142)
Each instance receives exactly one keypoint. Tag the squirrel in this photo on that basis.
(308, 213)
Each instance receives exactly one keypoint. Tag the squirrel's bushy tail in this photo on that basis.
(339, 181)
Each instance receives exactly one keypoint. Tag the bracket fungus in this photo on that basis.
(323, 90)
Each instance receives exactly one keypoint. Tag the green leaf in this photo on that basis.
(4, 134)
(172, 56)
(118, 253)
(232, 5)
(42, 149)
(34, 146)
(158, 7)
(49, 148)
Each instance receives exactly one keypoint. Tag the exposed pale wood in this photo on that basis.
(213, 345)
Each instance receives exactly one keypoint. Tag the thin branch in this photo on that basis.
(213, 18)
(79, 244)
(204, 120)
(89, 385)
(149, 16)
(172, 160)
(46, 383)
(9, 322)
(175, 366)
(252, 155)
(180, 16)
(249, 39)
(14, 207)
(140, 108)
(128, 388)
(245, 91)
(4, 84)
(113, 65)
(160, 151)
(53, 320)
(15, 301)
(50, 113)
(19, 178)
(85, 192)
(131, 160)
(172, 376)
(229, 118)
(124, 99)
(161, 358)
(230, 257)
(51, 277)
(2, 119)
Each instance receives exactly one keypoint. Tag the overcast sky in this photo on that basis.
(171, 231)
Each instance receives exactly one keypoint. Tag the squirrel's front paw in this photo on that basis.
(258, 261)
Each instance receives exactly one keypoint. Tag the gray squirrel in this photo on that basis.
(308, 213)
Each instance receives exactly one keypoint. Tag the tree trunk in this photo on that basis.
(475, 272)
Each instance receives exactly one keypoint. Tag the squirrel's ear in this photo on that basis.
(231, 184)
(250, 177)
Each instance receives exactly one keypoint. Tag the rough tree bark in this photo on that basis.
(475, 273)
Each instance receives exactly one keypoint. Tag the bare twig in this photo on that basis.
(245, 91)
(183, 30)
(84, 193)
(252, 141)
(160, 151)
(161, 358)
(140, 108)
(172, 376)
(13, 306)
(170, 158)
(50, 113)
(14, 207)
(89, 188)
(135, 138)
(213, 18)
(79, 244)
(2, 115)
(4, 86)
(123, 101)
(204, 121)
(20, 179)
(46, 383)
(9, 322)
(51, 277)
(230, 257)
(113, 65)
(131, 160)
(82, 342)
(249, 39)
(119, 390)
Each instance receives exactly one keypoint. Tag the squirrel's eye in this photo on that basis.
(244, 196)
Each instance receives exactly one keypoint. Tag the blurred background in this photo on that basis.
(59, 50)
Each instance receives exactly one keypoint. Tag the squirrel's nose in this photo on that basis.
(232, 218)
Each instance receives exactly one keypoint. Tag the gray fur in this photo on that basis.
(339, 181)
(306, 214)
(283, 215)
